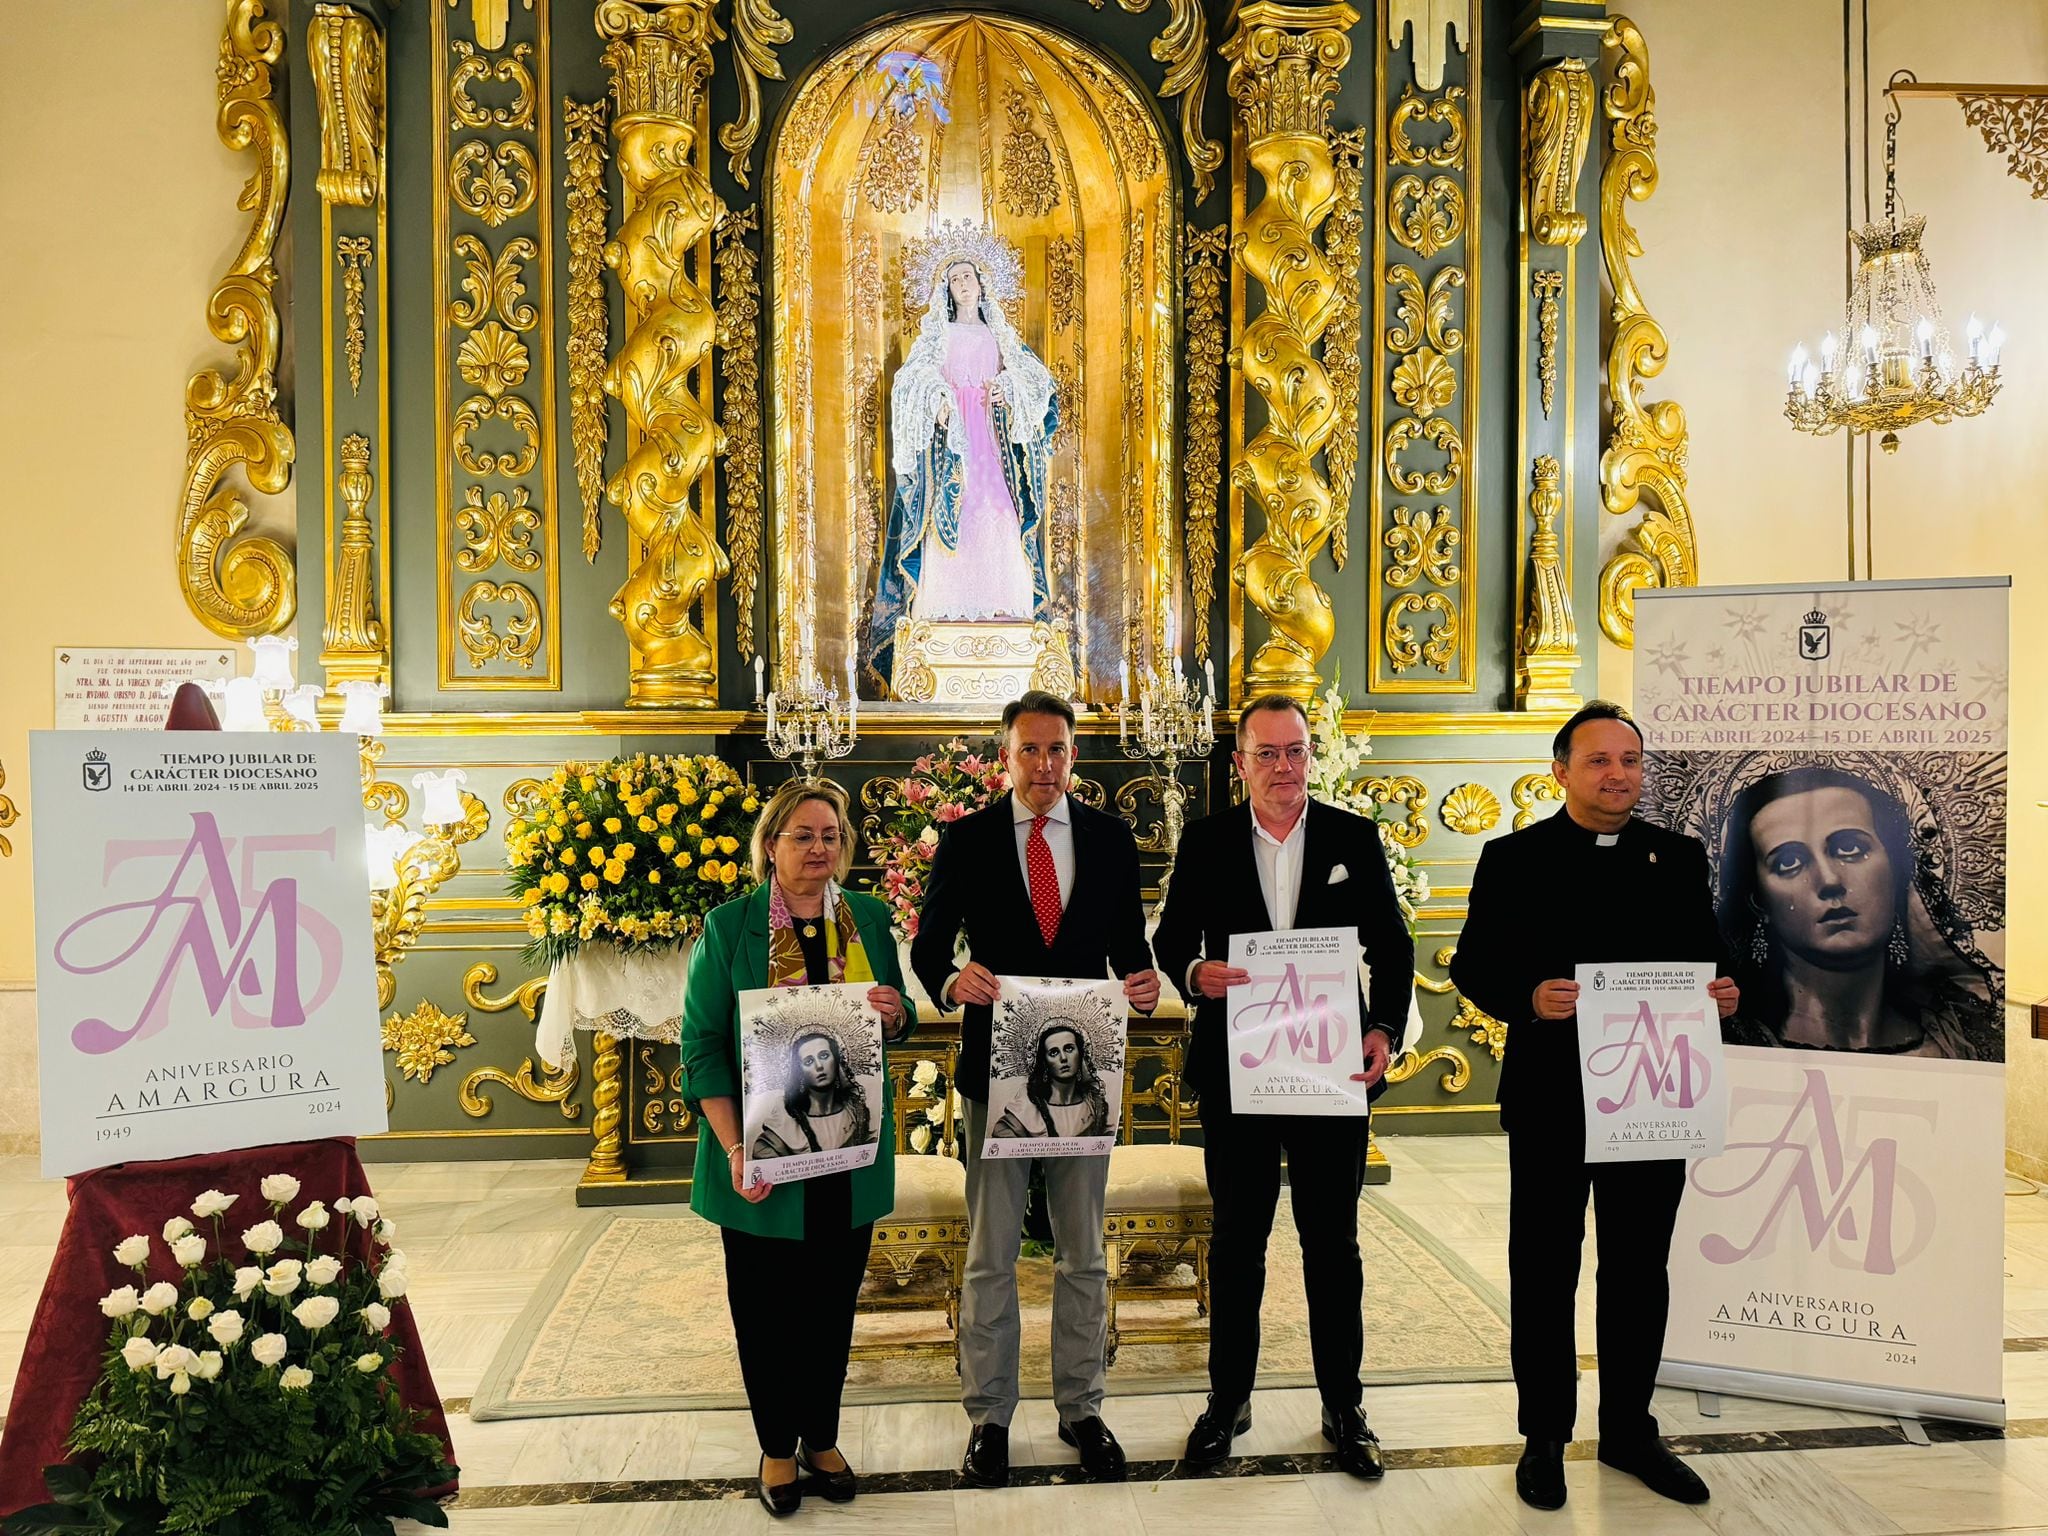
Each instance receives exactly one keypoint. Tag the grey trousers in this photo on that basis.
(996, 1191)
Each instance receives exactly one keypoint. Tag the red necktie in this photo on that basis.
(1045, 880)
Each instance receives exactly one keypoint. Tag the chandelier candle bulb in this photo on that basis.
(1828, 346)
(1923, 333)
(1797, 369)
(760, 679)
(1993, 345)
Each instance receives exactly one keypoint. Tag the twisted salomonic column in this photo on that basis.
(659, 58)
(1284, 66)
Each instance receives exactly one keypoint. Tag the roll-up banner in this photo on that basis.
(1841, 750)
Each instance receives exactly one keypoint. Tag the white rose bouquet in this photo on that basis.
(255, 1394)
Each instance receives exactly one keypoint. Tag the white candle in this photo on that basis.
(852, 698)
(1208, 679)
(771, 714)
(760, 678)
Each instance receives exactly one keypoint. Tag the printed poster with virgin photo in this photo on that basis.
(813, 1080)
(1056, 1068)
(204, 972)
(1841, 750)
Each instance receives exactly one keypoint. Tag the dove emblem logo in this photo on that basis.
(1813, 637)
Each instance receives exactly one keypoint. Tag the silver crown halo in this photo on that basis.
(928, 254)
(806, 1011)
(1011, 1049)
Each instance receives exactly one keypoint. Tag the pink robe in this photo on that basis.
(985, 574)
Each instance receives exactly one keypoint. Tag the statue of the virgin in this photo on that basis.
(972, 414)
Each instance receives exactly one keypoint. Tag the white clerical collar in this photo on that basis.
(1021, 813)
(1606, 839)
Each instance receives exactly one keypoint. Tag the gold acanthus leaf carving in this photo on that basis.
(1406, 794)
(1427, 216)
(758, 29)
(1557, 125)
(739, 341)
(1344, 241)
(1646, 449)
(1184, 49)
(492, 187)
(494, 282)
(1485, 1029)
(510, 69)
(1028, 187)
(425, 1039)
(1439, 650)
(1203, 258)
(397, 915)
(346, 55)
(354, 640)
(552, 1088)
(1447, 110)
(354, 252)
(1441, 434)
(251, 587)
(7, 816)
(1549, 640)
(492, 359)
(583, 133)
(2016, 127)
(522, 798)
(1457, 1070)
(502, 528)
(1423, 544)
(1547, 283)
(477, 410)
(1470, 809)
(1528, 791)
(481, 640)
(1424, 317)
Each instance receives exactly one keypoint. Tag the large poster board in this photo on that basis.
(1056, 1068)
(813, 1080)
(1650, 1062)
(204, 974)
(1842, 752)
(1296, 1041)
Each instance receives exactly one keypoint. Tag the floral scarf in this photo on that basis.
(846, 960)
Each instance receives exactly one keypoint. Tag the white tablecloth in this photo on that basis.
(637, 996)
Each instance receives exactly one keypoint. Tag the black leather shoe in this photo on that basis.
(1660, 1471)
(780, 1499)
(1215, 1427)
(987, 1462)
(839, 1487)
(1358, 1448)
(1101, 1457)
(1539, 1475)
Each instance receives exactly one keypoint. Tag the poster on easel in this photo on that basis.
(1841, 750)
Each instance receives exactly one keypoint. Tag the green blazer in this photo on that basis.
(731, 956)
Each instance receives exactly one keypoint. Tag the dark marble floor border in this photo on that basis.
(1407, 1458)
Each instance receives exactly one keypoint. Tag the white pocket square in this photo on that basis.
(1339, 875)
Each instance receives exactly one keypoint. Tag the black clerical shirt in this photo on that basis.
(1555, 896)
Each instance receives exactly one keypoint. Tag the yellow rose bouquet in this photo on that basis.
(630, 853)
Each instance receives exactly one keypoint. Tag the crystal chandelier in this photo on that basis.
(1898, 367)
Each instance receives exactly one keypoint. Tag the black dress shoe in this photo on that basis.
(839, 1487)
(1660, 1471)
(987, 1462)
(1539, 1475)
(1101, 1457)
(1215, 1427)
(780, 1498)
(1358, 1448)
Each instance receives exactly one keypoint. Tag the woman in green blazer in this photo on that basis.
(795, 1253)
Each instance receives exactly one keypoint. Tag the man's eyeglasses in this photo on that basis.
(1271, 757)
(806, 841)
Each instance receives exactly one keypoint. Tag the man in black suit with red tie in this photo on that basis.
(1282, 861)
(1040, 885)
(1588, 885)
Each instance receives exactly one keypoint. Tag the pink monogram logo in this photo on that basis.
(1673, 1073)
(259, 983)
(1309, 1029)
(1846, 1194)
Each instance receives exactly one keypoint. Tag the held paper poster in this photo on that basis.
(1650, 1062)
(1295, 1029)
(204, 972)
(1056, 1068)
(812, 1079)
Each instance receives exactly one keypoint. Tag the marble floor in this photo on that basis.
(481, 1236)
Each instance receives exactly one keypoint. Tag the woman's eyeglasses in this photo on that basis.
(806, 841)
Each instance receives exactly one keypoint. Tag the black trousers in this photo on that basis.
(1325, 1174)
(1635, 1208)
(792, 1306)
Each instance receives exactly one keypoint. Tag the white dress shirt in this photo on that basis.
(1279, 861)
(1059, 840)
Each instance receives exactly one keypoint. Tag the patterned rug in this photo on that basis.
(632, 1319)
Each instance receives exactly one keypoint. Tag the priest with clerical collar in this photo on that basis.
(1589, 885)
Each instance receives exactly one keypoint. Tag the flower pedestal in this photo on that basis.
(615, 995)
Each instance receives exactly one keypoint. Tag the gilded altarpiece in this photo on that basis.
(611, 378)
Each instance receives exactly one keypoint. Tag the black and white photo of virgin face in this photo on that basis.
(1062, 1050)
(1824, 877)
(817, 1059)
(963, 291)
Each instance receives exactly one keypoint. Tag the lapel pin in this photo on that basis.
(1653, 855)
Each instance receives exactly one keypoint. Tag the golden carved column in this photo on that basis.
(1549, 639)
(251, 587)
(346, 54)
(659, 58)
(1284, 66)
